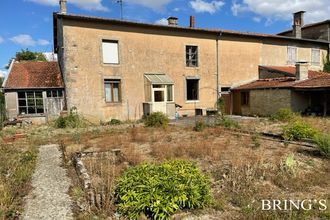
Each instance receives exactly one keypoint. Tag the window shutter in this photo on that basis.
(110, 52)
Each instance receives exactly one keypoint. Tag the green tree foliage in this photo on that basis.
(29, 55)
(326, 67)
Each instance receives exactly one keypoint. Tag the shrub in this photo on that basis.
(227, 122)
(221, 105)
(72, 120)
(323, 144)
(158, 190)
(114, 122)
(156, 119)
(298, 130)
(199, 126)
(283, 114)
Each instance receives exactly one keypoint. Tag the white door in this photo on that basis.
(159, 99)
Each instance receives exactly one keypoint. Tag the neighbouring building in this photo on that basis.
(123, 69)
(34, 90)
(316, 31)
(298, 89)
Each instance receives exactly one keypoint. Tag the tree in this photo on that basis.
(326, 67)
(29, 55)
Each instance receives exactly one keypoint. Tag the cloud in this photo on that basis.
(27, 40)
(256, 19)
(3, 73)
(162, 21)
(1, 40)
(201, 6)
(282, 9)
(90, 5)
(157, 5)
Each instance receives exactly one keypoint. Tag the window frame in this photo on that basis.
(189, 62)
(245, 98)
(27, 105)
(112, 82)
(289, 61)
(102, 51)
(186, 90)
(317, 63)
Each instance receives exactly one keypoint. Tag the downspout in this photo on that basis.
(218, 68)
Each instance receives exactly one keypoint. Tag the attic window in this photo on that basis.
(110, 52)
(292, 55)
(30, 102)
(315, 57)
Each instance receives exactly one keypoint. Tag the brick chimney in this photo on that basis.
(63, 6)
(192, 22)
(172, 21)
(301, 71)
(298, 22)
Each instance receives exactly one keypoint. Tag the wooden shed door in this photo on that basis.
(227, 100)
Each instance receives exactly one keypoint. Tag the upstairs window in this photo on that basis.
(292, 55)
(192, 89)
(191, 56)
(112, 91)
(315, 57)
(30, 102)
(110, 52)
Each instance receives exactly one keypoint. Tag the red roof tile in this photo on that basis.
(291, 70)
(34, 74)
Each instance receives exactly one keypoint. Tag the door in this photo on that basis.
(159, 99)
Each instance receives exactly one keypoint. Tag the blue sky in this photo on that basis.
(28, 23)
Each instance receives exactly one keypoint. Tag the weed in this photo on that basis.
(298, 130)
(156, 119)
(115, 122)
(73, 120)
(227, 122)
(200, 126)
(323, 144)
(283, 114)
(255, 138)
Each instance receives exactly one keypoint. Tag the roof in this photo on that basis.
(159, 79)
(308, 26)
(316, 80)
(215, 32)
(33, 75)
(290, 71)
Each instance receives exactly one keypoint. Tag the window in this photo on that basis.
(110, 52)
(245, 98)
(191, 56)
(112, 90)
(292, 55)
(30, 102)
(192, 89)
(170, 93)
(315, 56)
(55, 94)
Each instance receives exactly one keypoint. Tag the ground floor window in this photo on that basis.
(30, 102)
(112, 90)
(245, 98)
(192, 86)
(55, 94)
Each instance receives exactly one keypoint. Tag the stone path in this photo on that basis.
(49, 198)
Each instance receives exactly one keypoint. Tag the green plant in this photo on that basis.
(255, 138)
(200, 126)
(323, 144)
(221, 105)
(283, 114)
(158, 190)
(227, 122)
(156, 119)
(72, 120)
(114, 122)
(298, 130)
(326, 63)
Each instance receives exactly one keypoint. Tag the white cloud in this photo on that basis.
(90, 5)
(162, 21)
(27, 40)
(256, 19)
(201, 6)
(282, 9)
(3, 73)
(156, 5)
(1, 40)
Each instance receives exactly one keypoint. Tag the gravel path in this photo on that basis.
(49, 198)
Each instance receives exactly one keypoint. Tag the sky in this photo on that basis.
(27, 24)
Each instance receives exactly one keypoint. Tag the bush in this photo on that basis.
(283, 114)
(114, 122)
(199, 126)
(73, 120)
(298, 130)
(227, 122)
(323, 144)
(159, 190)
(156, 119)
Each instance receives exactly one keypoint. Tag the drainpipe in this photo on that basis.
(218, 67)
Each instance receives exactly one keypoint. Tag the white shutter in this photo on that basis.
(110, 52)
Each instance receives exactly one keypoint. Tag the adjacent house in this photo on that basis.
(298, 89)
(123, 69)
(34, 90)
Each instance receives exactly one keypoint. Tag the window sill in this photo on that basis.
(113, 103)
(111, 64)
(192, 67)
(192, 101)
(31, 115)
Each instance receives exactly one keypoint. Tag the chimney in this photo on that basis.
(301, 71)
(298, 22)
(192, 22)
(172, 21)
(63, 6)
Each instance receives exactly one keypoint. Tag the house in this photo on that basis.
(298, 89)
(316, 31)
(122, 69)
(34, 90)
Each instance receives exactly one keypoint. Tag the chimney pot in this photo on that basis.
(63, 6)
(172, 21)
(301, 70)
(298, 22)
(192, 22)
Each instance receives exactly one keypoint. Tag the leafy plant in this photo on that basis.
(29, 55)
(156, 119)
(326, 63)
(221, 105)
(158, 190)
(283, 114)
(255, 138)
(323, 144)
(200, 126)
(298, 130)
(114, 122)
(227, 122)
